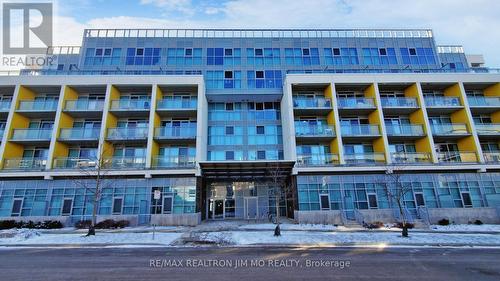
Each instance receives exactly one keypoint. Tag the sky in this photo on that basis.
(473, 24)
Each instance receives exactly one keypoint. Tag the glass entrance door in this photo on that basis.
(216, 209)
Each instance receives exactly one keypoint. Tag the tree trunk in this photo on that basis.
(404, 231)
(94, 216)
(277, 230)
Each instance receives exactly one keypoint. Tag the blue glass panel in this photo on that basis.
(90, 52)
(148, 52)
(219, 52)
(210, 52)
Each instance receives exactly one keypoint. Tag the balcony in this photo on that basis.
(361, 159)
(5, 105)
(318, 131)
(117, 135)
(492, 157)
(74, 163)
(457, 157)
(25, 164)
(176, 134)
(488, 130)
(399, 105)
(442, 105)
(317, 105)
(361, 105)
(38, 109)
(411, 158)
(317, 160)
(175, 162)
(484, 101)
(124, 163)
(31, 135)
(130, 108)
(80, 135)
(84, 108)
(449, 130)
(177, 107)
(364, 131)
(1, 133)
(405, 131)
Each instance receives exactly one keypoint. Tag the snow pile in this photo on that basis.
(467, 228)
(19, 234)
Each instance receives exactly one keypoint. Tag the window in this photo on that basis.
(139, 52)
(258, 52)
(413, 51)
(228, 74)
(229, 106)
(98, 52)
(229, 130)
(261, 155)
(107, 52)
(259, 74)
(305, 52)
(16, 207)
(325, 201)
(452, 65)
(260, 130)
(382, 52)
(372, 201)
(419, 199)
(229, 155)
(60, 67)
(336, 51)
(467, 200)
(117, 206)
(188, 52)
(167, 204)
(228, 52)
(67, 206)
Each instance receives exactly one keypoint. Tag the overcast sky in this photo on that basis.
(473, 24)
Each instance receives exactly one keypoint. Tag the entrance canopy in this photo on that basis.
(246, 169)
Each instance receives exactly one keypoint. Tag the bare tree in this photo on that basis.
(396, 191)
(94, 180)
(282, 189)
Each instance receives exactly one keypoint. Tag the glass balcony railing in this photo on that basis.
(488, 129)
(484, 101)
(36, 164)
(356, 103)
(442, 101)
(130, 104)
(365, 158)
(1, 133)
(457, 157)
(405, 130)
(318, 102)
(80, 133)
(49, 105)
(360, 130)
(174, 162)
(398, 102)
(449, 129)
(178, 103)
(176, 132)
(124, 162)
(32, 134)
(127, 133)
(492, 156)
(74, 163)
(5, 105)
(411, 158)
(84, 105)
(306, 160)
(306, 129)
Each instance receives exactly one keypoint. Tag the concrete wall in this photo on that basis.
(383, 215)
(464, 215)
(180, 219)
(318, 217)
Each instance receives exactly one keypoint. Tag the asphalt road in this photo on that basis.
(211, 263)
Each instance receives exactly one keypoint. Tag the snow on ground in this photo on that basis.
(332, 238)
(467, 228)
(21, 238)
(287, 226)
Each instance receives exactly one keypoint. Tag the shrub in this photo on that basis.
(478, 222)
(8, 224)
(122, 223)
(409, 225)
(106, 224)
(51, 225)
(83, 224)
(444, 222)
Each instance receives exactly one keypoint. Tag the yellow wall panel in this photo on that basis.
(492, 91)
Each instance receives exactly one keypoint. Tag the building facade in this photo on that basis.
(192, 125)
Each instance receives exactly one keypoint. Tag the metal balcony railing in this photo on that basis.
(80, 133)
(84, 105)
(442, 101)
(74, 163)
(399, 102)
(306, 129)
(318, 102)
(36, 164)
(127, 133)
(178, 103)
(50, 105)
(119, 162)
(488, 129)
(449, 129)
(32, 134)
(130, 105)
(457, 157)
(173, 162)
(176, 132)
(356, 103)
(405, 130)
(365, 158)
(306, 160)
(484, 101)
(492, 156)
(360, 130)
(411, 158)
